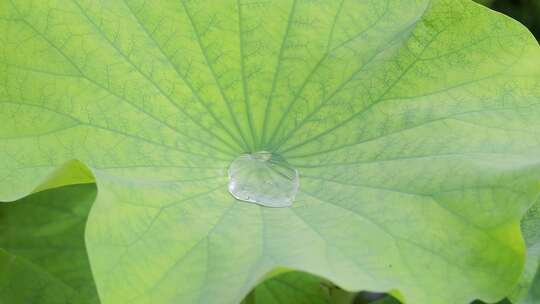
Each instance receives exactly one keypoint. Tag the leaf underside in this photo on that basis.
(413, 125)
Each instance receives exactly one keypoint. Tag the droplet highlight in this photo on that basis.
(263, 178)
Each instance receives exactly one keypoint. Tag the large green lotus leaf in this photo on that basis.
(43, 258)
(413, 125)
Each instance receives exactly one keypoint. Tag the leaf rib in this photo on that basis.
(212, 71)
(377, 53)
(147, 77)
(277, 70)
(318, 65)
(81, 123)
(192, 248)
(245, 88)
(354, 115)
(176, 69)
(99, 85)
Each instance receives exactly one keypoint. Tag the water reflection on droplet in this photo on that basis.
(263, 178)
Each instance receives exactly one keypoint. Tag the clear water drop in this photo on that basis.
(263, 178)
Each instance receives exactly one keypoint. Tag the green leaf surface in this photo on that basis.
(298, 288)
(528, 289)
(43, 258)
(533, 295)
(386, 300)
(485, 2)
(413, 125)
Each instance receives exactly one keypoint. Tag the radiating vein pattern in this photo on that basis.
(412, 126)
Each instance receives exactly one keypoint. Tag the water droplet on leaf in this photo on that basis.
(263, 178)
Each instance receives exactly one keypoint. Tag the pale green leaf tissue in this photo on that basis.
(413, 125)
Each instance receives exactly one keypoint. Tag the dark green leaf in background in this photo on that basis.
(43, 258)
